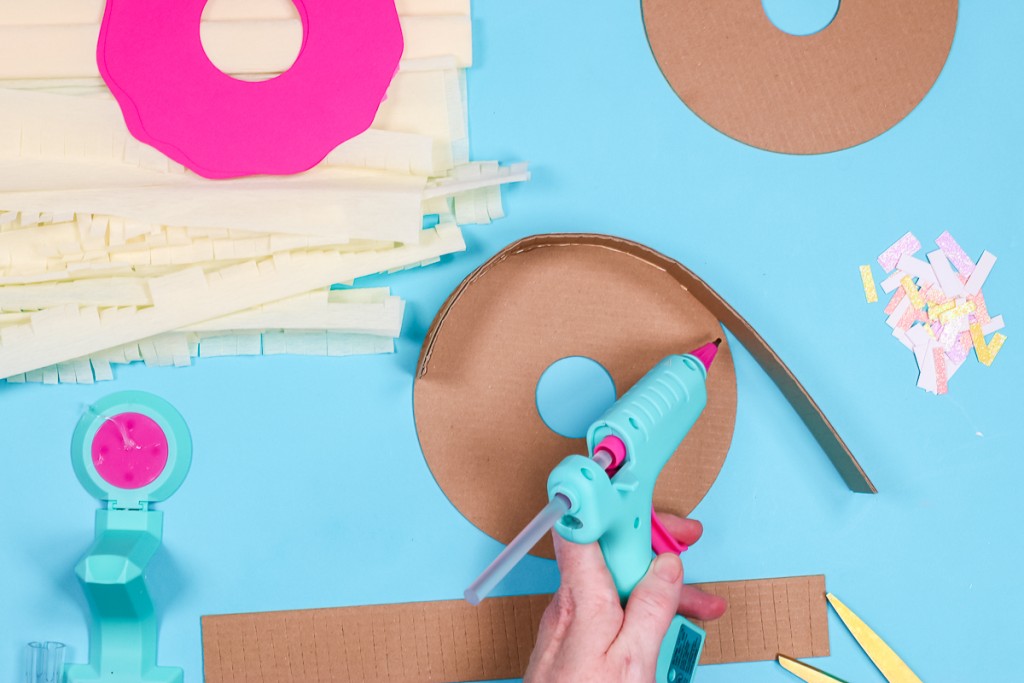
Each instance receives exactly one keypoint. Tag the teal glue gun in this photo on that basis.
(608, 496)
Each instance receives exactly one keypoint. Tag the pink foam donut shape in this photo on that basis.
(173, 97)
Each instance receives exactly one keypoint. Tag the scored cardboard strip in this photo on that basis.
(846, 84)
(451, 641)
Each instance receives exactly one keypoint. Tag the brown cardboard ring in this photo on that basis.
(439, 387)
(476, 416)
(846, 84)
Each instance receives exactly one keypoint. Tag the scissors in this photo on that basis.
(887, 661)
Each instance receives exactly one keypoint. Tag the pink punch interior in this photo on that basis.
(129, 450)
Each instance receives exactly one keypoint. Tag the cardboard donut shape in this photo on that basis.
(850, 82)
(532, 305)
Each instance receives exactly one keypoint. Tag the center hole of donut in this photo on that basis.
(251, 41)
(572, 393)
(801, 17)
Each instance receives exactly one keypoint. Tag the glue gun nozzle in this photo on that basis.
(706, 354)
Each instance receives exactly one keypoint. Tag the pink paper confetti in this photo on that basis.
(980, 309)
(959, 352)
(935, 295)
(955, 254)
(941, 381)
(895, 301)
(908, 244)
(909, 316)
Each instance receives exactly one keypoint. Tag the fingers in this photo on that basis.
(693, 602)
(582, 566)
(687, 531)
(649, 611)
(588, 602)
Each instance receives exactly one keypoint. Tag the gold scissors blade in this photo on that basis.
(806, 672)
(888, 662)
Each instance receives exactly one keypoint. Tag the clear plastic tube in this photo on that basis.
(44, 662)
(603, 459)
(517, 549)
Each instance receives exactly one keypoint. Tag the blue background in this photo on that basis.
(308, 487)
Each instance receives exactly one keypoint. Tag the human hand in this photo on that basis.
(586, 635)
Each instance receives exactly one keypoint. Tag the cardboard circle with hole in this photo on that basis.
(474, 397)
(831, 90)
(151, 56)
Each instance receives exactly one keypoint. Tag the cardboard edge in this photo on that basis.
(796, 394)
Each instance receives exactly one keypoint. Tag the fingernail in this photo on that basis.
(668, 567)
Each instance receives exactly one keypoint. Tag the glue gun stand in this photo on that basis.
(124, 634)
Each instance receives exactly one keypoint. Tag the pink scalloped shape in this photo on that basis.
(175, 99)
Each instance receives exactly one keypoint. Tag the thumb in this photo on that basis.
(650, 609)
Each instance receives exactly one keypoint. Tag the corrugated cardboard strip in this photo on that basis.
(551, 296)
(846, 84)
(452, 641)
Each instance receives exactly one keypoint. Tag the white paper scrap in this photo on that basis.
(948, 281)
(980, 274)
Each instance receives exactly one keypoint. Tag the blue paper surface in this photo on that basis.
(308, 488)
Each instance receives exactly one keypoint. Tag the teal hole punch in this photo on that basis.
(130, 450)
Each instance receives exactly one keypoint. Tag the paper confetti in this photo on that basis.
(957, 256)
(916, 300)
(937, 309)
(895, 301)
(939, 358)
(908, 244)
(986, 352)
(870, 293)
(892, 282)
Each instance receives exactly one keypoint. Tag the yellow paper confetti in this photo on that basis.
(986, 352)
(934, 311)
(916, 300)
(957, 312)
(870, 293)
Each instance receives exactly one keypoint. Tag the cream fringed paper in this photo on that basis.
(111, 253)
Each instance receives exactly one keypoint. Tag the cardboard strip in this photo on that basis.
(452, 641)
(846, 84)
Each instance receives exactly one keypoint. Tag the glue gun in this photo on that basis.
(608, 496)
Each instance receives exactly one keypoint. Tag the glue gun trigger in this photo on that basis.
(661, 540)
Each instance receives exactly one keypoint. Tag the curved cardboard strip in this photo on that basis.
(535, 303)
(551, 296)
(846, 84)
